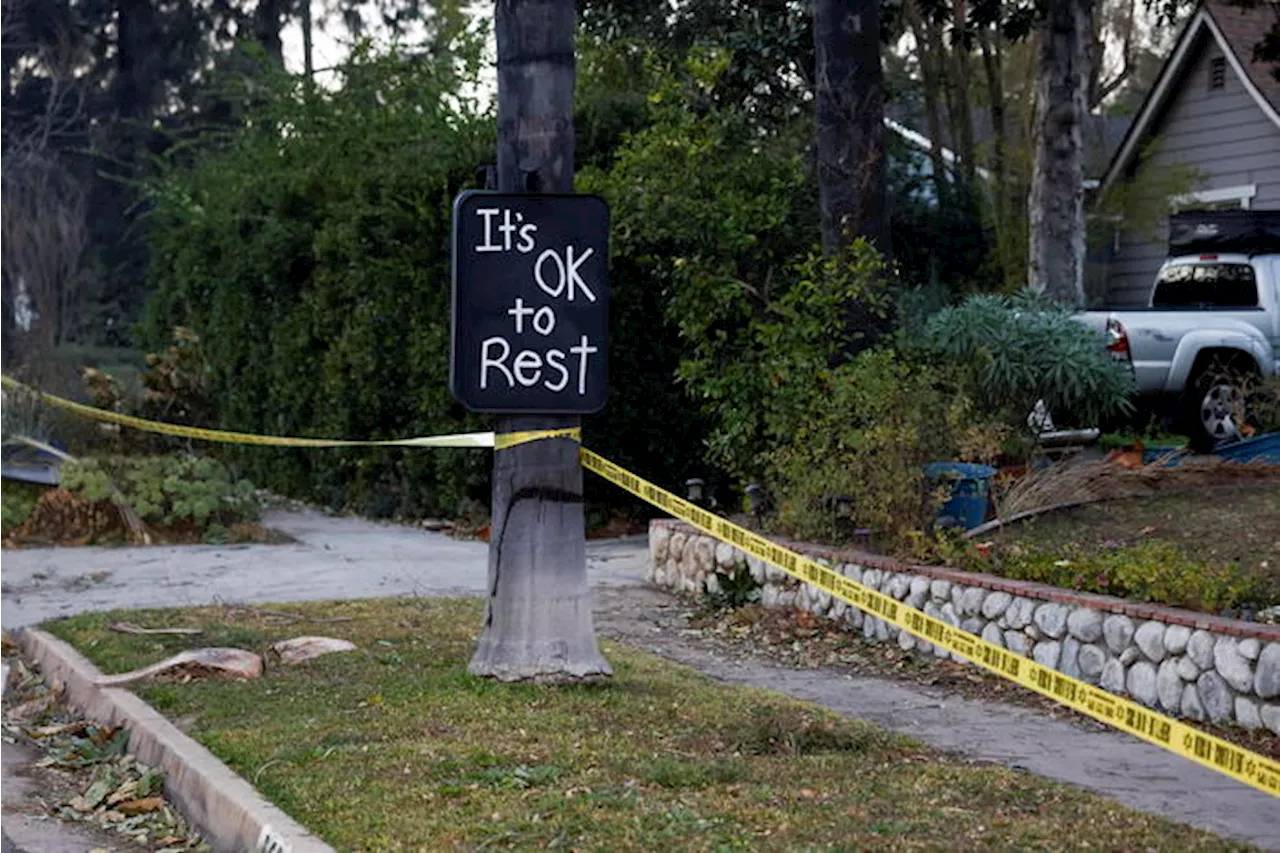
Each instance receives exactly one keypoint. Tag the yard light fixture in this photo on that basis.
(695, 489)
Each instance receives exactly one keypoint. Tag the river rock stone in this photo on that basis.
(838, 607)
(726, 555)
(1249, 648)
(853, 618)
(1129, 655)
(869, 627)
(871, 578)
(1190, 706)
(882, 630)
(957, 593)
(1175, 639)
(1215, 696)
(675, 545)
(1091, 660)
(821, 600)
(1118, 631)
(1169, 685)
(712, 584)
(992, 634)
(1231, 665)
(1266, 680)
(1051, 618)
(1016, 642)
(1112, 676)
(1047, 653)
(919, 592)
(1085, 624)
(941, 590)
(852, 571)
(898, 586)
(995, 604)
(947, 613)
(1068, 664)
(1247, 713)
(973, 624)
(659, 539)
(1200, 649)
(1271, 718)
(704, 554)
(1187, 669)
(1141, 683)
(756, 566)
(1150, 639)
(1020, 612)
(906, 641)
(971, 604)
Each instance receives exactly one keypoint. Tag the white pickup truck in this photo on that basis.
(1212, 325)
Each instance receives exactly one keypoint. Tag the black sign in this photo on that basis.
(530, 303)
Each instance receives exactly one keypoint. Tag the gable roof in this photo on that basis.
(1235, 30)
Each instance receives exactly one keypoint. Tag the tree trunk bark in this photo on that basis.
(962, 118)
(268, 21)
(850, 123)
(931, 83)
(538, 624)
(1055, 206)
(308, 63)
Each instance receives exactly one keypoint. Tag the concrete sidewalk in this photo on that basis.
(334, 557)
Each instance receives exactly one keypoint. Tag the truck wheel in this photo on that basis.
(1214, 407)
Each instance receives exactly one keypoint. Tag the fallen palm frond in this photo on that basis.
(1073, 483)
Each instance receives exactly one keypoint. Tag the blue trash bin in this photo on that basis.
(970, 492)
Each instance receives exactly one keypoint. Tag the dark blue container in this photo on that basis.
(970, 492)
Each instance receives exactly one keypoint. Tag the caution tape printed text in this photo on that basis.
(1120, 713)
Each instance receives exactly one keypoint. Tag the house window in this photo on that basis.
(1239, 197)
(1217, 72)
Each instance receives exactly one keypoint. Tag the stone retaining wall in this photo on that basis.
(1184, 663)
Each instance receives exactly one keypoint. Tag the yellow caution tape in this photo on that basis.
(1177, 737)
(466, 439)
(503, 440)
(1174, 735)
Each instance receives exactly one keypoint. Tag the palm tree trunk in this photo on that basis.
(1055, 206)
(537, 623)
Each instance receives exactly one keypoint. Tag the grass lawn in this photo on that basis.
(1211, 548)
(395, 747)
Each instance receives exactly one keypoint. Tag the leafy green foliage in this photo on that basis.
(733, 589)
(854, 460)
(310, 251)
(1148, 571)
(168, 490)
(1015, 351)
(17, 501)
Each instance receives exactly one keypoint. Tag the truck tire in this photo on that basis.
(1215, 405)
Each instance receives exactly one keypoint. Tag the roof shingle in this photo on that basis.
(1244, 28)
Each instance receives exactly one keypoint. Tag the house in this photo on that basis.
(1213, 114)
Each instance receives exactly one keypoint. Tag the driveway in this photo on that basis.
(333, 557)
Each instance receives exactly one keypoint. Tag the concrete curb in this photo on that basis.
(229, 813)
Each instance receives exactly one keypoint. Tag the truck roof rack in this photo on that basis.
(1253, 232)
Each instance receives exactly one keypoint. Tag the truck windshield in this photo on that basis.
(1206, 286)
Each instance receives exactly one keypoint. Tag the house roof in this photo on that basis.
(1235, 30)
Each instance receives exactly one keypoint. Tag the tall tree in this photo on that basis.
(537, 623)
(1055, 206)
(849, 103)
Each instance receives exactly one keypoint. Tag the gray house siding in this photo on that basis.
(1220, 133)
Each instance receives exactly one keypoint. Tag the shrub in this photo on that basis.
(1016, 351)
(18, 500)
(856, 460)
(192, 492)
(309, 250)
(1149, 571)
